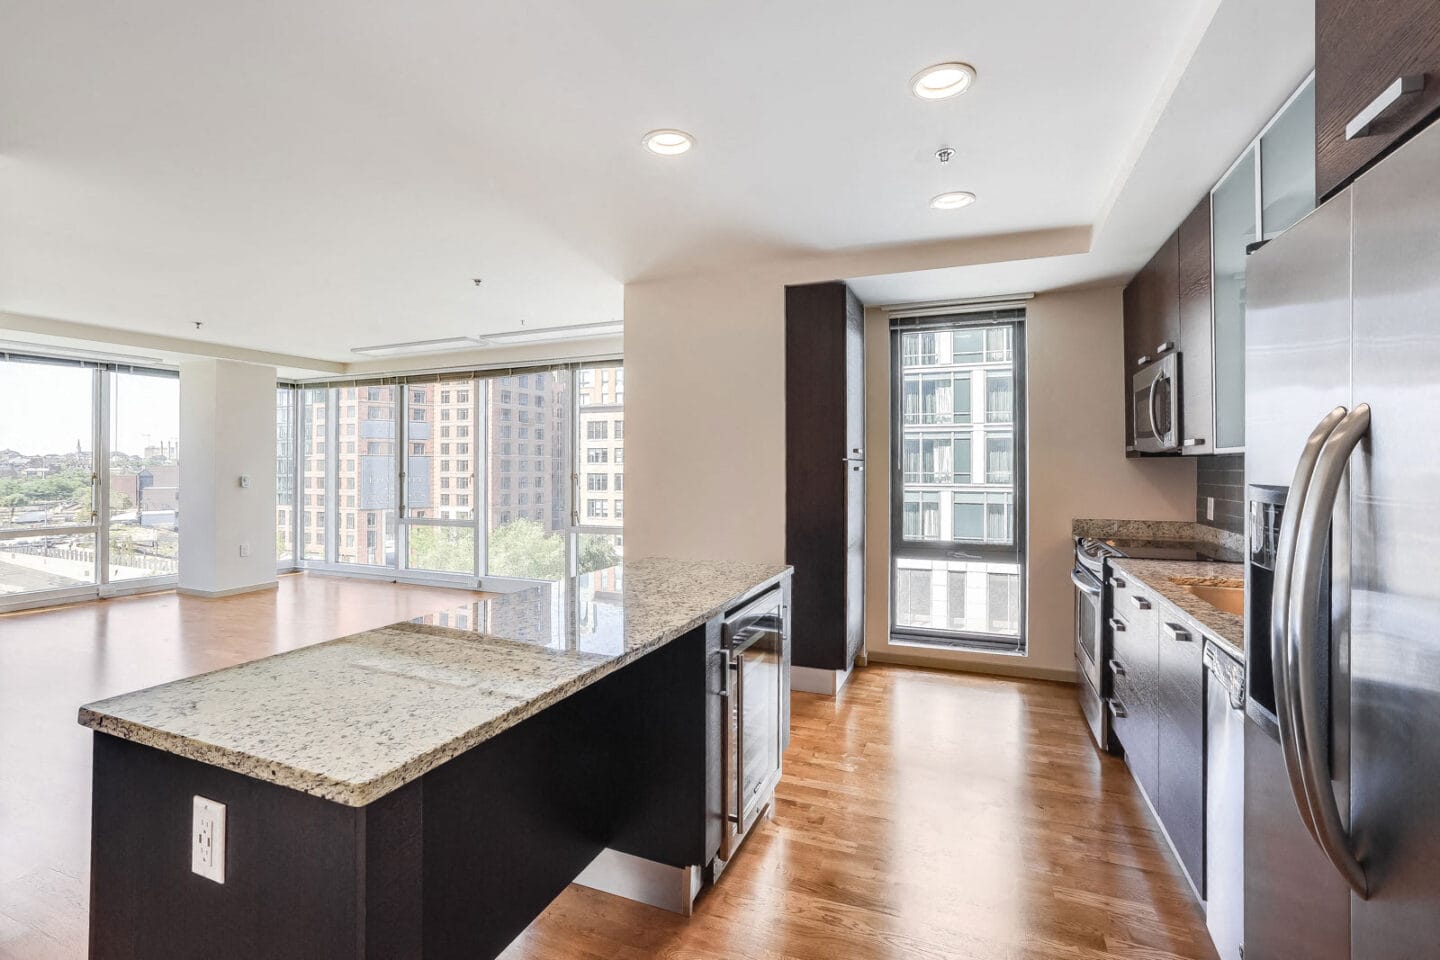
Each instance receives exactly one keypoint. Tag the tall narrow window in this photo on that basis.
(958, 506)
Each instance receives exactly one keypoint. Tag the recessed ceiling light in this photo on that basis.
(942, 81)
(953, 200)
(668, 143)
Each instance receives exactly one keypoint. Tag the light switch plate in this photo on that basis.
(207, 839)
(1209, 508)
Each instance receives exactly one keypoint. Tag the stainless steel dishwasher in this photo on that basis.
(1225, 801)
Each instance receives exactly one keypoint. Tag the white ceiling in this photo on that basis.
(310, 177)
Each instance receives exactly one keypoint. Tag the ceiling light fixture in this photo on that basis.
(668, 143)
(585, 331)
(419, 346)
(953, 200)
(942, 81)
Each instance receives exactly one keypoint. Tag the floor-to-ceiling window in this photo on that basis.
(458, 476)
(89, 479)
(958, 495)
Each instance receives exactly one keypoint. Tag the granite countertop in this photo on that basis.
(1210, 541)
(1225, 629)
(355, 718)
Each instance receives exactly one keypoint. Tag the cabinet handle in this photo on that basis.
(1118, 582)
(1195, 442)
(1165, 347)
(1178, 632)
(1359, 126)
(1117, 708)
(1140, 602)
(1142, 361)
(1117, 625)
(1117, 668)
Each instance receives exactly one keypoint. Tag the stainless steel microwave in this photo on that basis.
(1155, 399)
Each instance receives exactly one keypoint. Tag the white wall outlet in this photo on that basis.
(244, 479)
(1209, 508)
(207, 840)
(244, 549)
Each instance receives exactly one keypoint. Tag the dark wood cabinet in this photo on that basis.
(1197, 333)
(1152, 317)
(1363, 48)
(825, 472)
(1180, 798)
(1158, 683)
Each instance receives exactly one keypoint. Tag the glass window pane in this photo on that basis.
(999, 458)
(440, 486)
(365, 475)
(49, 562)
(144, 476)
(528, 539)
(46, 456)
(444, 549)
(314, 494)
(969, 516)
(961, 398)
(913, 597)
(285, 474)
(955, 600)
(962, 459)
(598, 551)
(1002, 603)
(999, 397)
(969, 346)
(601, 428)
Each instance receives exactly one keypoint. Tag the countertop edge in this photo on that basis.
(359, 794)
(1210, 632)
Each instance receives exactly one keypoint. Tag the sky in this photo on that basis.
(45, 409)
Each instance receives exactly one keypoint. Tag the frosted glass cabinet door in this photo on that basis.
(1287, 165)
(1233, 216)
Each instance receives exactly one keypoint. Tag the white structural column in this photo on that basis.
(227, 477)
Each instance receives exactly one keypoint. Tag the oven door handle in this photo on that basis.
(1083, 583)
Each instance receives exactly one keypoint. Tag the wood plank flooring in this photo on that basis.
(923, 814)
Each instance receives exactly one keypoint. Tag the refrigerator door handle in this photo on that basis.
(1285, 715)
(1329, 830)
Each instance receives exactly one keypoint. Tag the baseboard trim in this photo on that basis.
(228, 592)
(827, 683)
(939, 662)
(644, 881)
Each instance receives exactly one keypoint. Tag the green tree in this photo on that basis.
(441, 548)
(522, 548)
(595, 553)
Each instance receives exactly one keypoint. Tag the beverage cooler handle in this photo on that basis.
(1285, 715)
(727, 748)
(1304, 669)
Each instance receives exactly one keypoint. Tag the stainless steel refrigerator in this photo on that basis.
(1342, 743)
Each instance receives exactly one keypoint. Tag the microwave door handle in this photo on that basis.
(1150, 409)
(1285, 715)
(1304, 672)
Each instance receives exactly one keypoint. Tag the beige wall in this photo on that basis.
(1076, 463)
(705, 422)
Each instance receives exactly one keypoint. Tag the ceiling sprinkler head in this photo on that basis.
(944, 154)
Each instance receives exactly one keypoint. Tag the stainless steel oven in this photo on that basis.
(1155, 399)
(751, 731)
(1090, 642)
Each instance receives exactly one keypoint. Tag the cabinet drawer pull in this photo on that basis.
(1117, 708)
(1117, 669)
(1140, 602)
(1359, 126)
(1117, 625)
(1118, 582)
(1178, 632)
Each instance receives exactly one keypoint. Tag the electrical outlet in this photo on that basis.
(207, 840)
(1209, 508)
(244, 549)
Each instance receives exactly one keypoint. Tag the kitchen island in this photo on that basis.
(422, 790)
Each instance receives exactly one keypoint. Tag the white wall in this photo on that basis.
(1076, 468)
(227, 429)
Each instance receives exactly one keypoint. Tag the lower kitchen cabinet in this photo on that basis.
(1158, 709)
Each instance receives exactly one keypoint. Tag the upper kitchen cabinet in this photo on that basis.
(1152, 318)
(1377, 80)
(1265, 192)
(1197, 346)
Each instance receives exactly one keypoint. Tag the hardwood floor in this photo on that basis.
(922, 815)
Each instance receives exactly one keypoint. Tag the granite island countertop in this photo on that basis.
(1225, 629)
(353, 719)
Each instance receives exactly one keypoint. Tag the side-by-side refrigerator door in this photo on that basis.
(1297, 371)
(1395, 558)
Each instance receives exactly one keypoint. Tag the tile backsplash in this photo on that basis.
(1221, 477)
